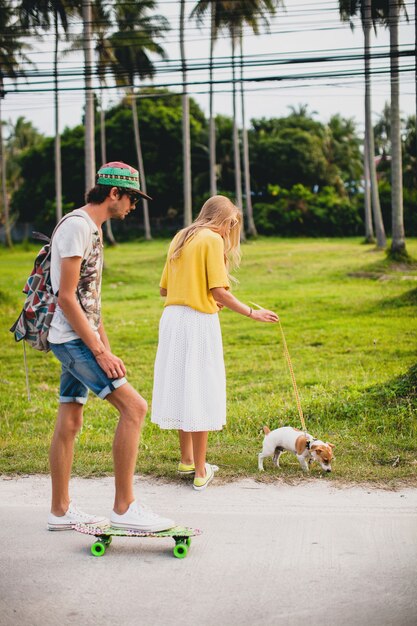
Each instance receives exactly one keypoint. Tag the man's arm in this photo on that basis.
(67, 300)
(103, 336)
(163, 292)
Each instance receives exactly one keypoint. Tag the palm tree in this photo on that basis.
(257, 9)
(371, 13)
(11, 55)
(186, 142)
(233, 15)
(218, 18)
(101, 23)
(131, 45)
(105, 60)
(234, 30)
(415, 64)
(226, 14)
(398, 249)
(369, 228)
(212, 126)
(37, 14)
(89, 144)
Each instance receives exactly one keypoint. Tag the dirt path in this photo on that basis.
(269, 554)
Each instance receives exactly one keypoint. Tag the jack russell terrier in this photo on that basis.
(303, 445)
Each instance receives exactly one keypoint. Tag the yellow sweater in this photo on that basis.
(199, 268)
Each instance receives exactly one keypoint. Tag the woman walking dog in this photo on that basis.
(189, 391)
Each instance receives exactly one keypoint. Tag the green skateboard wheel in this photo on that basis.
(98, 548)
(180, 550)
(107, 541)
(188, 541)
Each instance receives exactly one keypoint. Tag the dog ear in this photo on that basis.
(330, 444)
(320, 449)
(266, 430)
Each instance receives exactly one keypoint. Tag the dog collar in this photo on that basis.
(310, 441)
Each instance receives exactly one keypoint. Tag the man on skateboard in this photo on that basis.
(79, 341)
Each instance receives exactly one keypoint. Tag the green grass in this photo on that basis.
(350, 323)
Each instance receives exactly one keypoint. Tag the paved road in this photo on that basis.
(270, 555)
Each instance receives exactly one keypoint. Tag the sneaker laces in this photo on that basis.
(147, 510)
(74, 510)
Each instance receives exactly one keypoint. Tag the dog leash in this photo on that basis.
(294, 383)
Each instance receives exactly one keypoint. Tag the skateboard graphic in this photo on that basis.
(181, 535)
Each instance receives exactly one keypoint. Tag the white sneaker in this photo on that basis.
(74, 516)
(140, 517)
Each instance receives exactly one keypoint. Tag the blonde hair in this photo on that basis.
(214, 214)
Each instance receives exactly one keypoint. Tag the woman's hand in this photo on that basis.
(263, 315)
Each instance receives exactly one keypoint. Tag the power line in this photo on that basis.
(285, 77)
(224, 63)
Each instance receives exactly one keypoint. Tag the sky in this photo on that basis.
(304, 29)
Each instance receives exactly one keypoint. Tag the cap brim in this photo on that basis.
(143, 195)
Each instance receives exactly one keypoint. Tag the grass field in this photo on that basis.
(350, 323)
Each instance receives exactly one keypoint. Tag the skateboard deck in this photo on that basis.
(181, 535)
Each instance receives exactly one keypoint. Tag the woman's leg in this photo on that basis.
(186, 446)
(200, 449)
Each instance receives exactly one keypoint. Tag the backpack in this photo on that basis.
(35, 319)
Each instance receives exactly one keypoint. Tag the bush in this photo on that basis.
(299, 211)
(409, 202)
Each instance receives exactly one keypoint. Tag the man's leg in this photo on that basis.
(132, 408)
(61, 453)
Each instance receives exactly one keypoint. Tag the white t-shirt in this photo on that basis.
(77, 236)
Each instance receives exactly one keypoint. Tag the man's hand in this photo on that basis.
(111, 365)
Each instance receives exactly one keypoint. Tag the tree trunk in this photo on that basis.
(376, 206)
(236, 148)
(251, 228)
(109, 231)
(369, 229)
(7, 226)
(398, 238)
(142, 179)
(186, 143)
(58, 166)
(415, 61)
(90, 158)
(212, 126)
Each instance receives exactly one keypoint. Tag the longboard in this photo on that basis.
(181, 535)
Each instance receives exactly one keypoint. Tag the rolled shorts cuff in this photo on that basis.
(115, 384)
(77, 400)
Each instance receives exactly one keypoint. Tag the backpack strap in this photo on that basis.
(40, 236)
(50, 241)
(64, 220)
(26, 371)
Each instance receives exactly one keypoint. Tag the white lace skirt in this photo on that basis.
(189, 391)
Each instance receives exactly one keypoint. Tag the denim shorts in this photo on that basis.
(81, 372)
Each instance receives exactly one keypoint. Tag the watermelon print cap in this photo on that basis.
(119, 174)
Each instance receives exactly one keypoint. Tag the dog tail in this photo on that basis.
(266, 430)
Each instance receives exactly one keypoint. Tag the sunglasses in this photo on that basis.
(133, 197)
